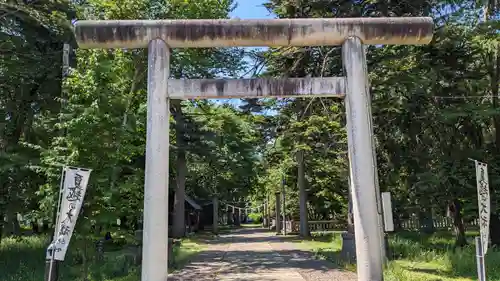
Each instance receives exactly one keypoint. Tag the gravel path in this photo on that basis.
(307, 266)
(257, 255)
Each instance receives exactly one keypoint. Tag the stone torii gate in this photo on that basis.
(159, 36)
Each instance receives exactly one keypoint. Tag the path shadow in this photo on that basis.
(239, 236)
(231, 263)
(212, 264)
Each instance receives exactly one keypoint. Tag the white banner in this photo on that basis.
(73, 191)
(483, 197)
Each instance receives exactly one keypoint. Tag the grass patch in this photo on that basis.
(188, 248)
(23, 259)
(325, 245)
(414, 256)
(250, 225)
(328, 241)
(226, 229)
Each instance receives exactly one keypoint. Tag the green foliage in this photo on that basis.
(98, 121)
(413, 256)
(430, 105)
(32, 37)
(24, 262)
(255, 217)
(434, 107)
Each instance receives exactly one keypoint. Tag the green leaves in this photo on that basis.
(427, 115)
(432, 110)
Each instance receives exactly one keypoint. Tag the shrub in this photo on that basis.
(255, 217)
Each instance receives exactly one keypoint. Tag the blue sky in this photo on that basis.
(251, 9)
(248, 9)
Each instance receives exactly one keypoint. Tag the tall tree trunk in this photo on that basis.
(494, 73)
(15, 227)
(179, 224)
(4, 199)
(34, 227)
(455, 210)
(46, 227)
(350, 214)
(237, 220)
(2, 220)
(301, 182)
(495, 229)
(348, 252)
(398, 224)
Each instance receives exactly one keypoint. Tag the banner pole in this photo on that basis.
(481, 269)
(484, 210)
(61, 187)
(52, 265)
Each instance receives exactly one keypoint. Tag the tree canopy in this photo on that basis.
(434, 107)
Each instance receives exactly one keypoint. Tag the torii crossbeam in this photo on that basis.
(161, 35)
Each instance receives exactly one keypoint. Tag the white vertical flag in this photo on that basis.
(483, 197)
(73, 192)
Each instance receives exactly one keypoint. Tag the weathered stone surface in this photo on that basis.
(255, 32)
(255, 88)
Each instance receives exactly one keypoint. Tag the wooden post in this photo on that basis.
(216, 215)
(233, 216)
(264, 214)
(301, 184)
(284, 205)
(278, 213)
(238, 217)
(268, 208)
(348, 252)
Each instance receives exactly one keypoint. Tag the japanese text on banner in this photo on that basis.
(74, 188)
(483, 193)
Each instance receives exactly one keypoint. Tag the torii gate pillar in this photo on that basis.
(161, 35)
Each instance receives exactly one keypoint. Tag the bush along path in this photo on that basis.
(20, 258)
(255, 254)
(412, 256)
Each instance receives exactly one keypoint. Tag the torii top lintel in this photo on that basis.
(266, 32)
